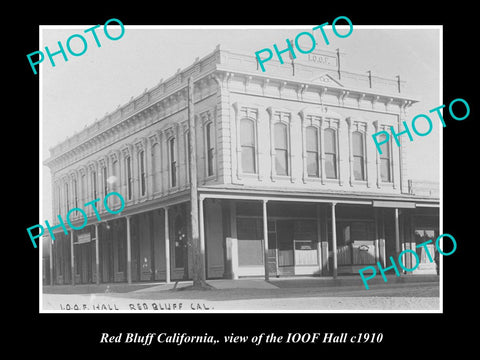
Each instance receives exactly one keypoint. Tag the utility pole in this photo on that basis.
(198, 257)
(398, 83)
(338, 65)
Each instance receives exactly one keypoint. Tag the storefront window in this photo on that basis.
(250, 241)
(355, 243)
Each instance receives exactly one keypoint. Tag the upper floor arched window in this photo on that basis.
(128, 176)
(330, 148)
(358, 152)
(281, 148)
(248, 145)
(385, 160)
(94, 184)
(156, 162)
(210, 147)
(141, 161)
(173, 162)
(312, 148)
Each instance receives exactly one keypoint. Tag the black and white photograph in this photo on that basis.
(304, 179)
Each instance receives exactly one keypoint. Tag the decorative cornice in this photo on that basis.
(214, 70)
(147, 105)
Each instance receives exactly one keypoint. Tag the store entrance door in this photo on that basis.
(272, 249)
(286, 263)
(422, 235)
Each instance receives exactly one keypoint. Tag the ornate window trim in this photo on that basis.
(244, 111)
(208, 119)
(283, 116)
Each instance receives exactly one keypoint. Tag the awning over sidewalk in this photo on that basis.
(394, 204)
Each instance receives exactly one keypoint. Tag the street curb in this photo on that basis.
(243, 283)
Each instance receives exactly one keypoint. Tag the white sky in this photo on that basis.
(75, 93)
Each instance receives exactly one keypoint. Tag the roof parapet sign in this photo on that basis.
(290, 43)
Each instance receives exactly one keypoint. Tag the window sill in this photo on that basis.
(249, 175)
(172, 190)
(142, 199)
(312, 179)
(282, 177)
(209, 178)
(385, 184)
(359, 182)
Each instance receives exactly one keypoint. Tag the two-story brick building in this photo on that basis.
(284, 154)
